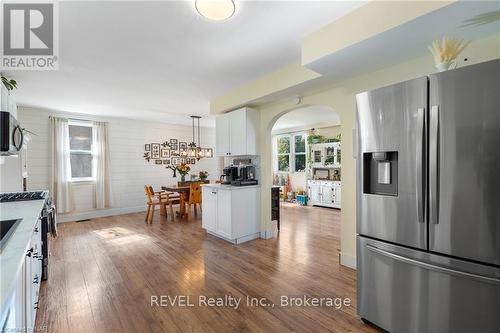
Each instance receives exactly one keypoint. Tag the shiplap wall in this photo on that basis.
(129, 171)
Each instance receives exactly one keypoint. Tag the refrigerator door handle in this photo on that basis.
(478, 277)
(420, 162)
(434, 165)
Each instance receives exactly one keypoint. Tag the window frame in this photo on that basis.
(91, 152)
(277, 137)
(291, 154)
(304, 135)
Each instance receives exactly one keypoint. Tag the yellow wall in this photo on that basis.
(341, 98)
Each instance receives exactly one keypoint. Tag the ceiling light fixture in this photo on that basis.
(216, 10)
(195, 150)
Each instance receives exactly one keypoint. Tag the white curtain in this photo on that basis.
(104, 197)
(61, 169)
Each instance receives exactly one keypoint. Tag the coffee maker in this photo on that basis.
(229, 174)
(246, 175)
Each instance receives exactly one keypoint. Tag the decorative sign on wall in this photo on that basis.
(171, 153)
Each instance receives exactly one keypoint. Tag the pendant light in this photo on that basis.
(195, 149)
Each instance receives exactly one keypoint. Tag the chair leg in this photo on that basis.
(195, 210)
(147, 214)
(152, 214)
(171, 212)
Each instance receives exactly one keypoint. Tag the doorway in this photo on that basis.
(306, 170)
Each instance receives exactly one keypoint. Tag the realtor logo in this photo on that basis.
(29, 39)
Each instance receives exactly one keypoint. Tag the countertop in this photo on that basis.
(13, 254)
(229, 187)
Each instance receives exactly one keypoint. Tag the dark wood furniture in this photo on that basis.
(183, 197)
(275, 204)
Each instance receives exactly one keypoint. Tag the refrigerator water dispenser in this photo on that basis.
(380, 173)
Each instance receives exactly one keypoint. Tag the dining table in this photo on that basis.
(183, 191)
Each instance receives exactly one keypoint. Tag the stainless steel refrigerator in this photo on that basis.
(428, 202)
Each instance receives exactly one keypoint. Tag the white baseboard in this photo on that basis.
(77, 216)
(348, 260)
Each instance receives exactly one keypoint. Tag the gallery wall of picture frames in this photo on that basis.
(170, 153)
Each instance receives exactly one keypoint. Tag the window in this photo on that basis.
(290, 152)
(299, 143)
(81, 153)
(283, 149)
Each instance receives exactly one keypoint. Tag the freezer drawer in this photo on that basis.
(464, 162)
(405, 290)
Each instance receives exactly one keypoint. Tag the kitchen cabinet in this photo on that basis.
(7, 103)
(324, 193)
(326, 155)
(230, 212)
(237, 132)
(21, 263)
(209, 211)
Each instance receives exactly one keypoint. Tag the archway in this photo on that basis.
(294, 170)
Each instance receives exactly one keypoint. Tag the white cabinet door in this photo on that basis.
(209, 209)
(338, 154)
(338, 191)
(327, 194)
(315, 193)
(238, 132)
(222, 135)
(224, 213)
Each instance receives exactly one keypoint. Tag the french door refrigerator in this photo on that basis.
(428, 202)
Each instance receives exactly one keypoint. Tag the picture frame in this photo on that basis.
(155, 150)
(166, 161)
(158, 162)
(173, 141)
(174, 151)
(147, 147)
(183, 146)
(175, 161)
(165, 153)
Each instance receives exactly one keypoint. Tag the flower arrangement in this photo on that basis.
(203, 175)
(183, 169)
(446, 51)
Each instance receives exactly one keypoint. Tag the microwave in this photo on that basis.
(11, 134)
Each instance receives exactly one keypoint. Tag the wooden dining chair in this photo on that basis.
(162, 199)
(194, 197)
(153, 200)
(170, 199)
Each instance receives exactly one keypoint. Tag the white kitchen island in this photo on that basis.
(231, 212)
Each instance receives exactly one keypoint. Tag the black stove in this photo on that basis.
(23, 196)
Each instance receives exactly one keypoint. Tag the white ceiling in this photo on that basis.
(307, 118)
(161, 61)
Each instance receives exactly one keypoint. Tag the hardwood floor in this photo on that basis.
(104, 272)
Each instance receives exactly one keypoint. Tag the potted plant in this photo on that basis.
(8, 83)
(203, 175)
(446, 51)
(183, 170)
